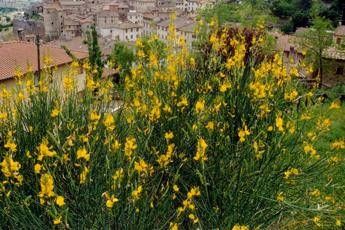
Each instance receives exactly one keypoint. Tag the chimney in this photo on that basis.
(343, 15)
(20, 33)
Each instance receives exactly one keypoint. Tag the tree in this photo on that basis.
(316, 41)
(95, 54)
(123, 57)
(334, 12)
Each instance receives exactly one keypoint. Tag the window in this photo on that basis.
(340, 71)
(338, 41)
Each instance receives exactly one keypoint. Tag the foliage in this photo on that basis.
(95, 54)
(123, 57)
(316, 41)
(213, 139)
(247, 13)
(300, 13)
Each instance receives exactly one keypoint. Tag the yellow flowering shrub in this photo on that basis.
(215, 138)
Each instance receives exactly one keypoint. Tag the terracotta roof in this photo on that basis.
(334, 53)
(76, 44)
(340, 31)
(18, 55)
(56, 6)
(123, 25)
(190, 28)
(178, 22)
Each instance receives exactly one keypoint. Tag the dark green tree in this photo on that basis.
(95, 54)
(122, 57)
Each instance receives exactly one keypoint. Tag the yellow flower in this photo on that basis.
(183, 102)
(224, 87)
(338, 144)
(290, 96)
(90, 83)
(94, 116)
(291, 172)
(258, 89)
(37, 168)
(167, 109)
(315, 193)
(309, 149)
(111, 200)
(60, 201)
(9, 167)
(242, 133)
(164, 159)
(279, 124)
(83, 175)
(136, 193)
(338, 222)
(68, 83)
(155, 113)
(316, 221)
(240, 227)
(193, 218)
(210, 125)
(201, 150)
(44, 150)
(335, 104)
(130, 146)
(109, 122)
(280, 197)
(116, 145)
(169, 135)
(199, 106)
(47, 185)
(55, 112)
(10, 145)
(305, 117)
(82, 154)
(142, 167)
(193, 192)
(173, 226)
(3, 115)
(57, 220)
(118, 174)
(176, 188)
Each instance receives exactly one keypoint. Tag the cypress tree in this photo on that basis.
(95, 54)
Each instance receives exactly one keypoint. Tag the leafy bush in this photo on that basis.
(207, 139)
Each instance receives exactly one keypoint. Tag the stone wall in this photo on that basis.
(28, 27)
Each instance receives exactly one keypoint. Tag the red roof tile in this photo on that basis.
(18, 55)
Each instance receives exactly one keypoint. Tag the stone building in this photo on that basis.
(339, 35)
(23, 27)
(122, 31)
(179, 23)
(53, 15)
(334, 58)
(71, 28)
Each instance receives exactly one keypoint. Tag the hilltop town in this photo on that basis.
(115, 20)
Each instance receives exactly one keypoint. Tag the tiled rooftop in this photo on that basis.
(19, 55)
